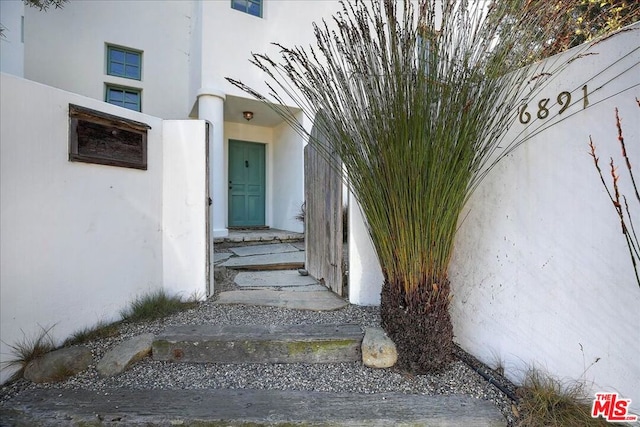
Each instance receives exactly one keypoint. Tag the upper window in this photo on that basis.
(252, 7)
(124, 97)
(123, 62)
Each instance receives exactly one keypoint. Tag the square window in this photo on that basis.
(124, 97)
(123, 62)
(252, 7)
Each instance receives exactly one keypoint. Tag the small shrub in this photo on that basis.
(28, 349)
(154, 305)
(548, 402)
(99, 331)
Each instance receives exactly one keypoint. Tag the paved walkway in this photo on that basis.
(268, 284)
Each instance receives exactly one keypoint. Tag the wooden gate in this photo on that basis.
(323, 217)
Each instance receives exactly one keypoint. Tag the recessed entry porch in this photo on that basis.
(263, 169)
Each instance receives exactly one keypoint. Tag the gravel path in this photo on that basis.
(341, 377)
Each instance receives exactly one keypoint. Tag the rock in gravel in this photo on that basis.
(119, 358)
(58, 365)
(378, 351)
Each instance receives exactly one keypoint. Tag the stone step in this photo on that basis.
(247, 407)
(274, 261)
(260, 344)
(323, 300)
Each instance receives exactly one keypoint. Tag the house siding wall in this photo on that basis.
(65, 48)
(229, 37)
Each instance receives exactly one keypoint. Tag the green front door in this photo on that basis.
(246, 184)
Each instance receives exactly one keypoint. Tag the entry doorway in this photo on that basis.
(246, 184)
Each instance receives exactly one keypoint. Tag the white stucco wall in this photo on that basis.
(66, 48)
(288, 183)
(365, 274)
(80, 241)
(229, 37)
(11, 44)
(541, 274)
(184, 209)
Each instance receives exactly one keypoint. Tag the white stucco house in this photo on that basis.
(169, 59)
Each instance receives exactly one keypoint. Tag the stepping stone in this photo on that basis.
(248, 407)
(314, 300)
(221, 256)
(276, 248)
(260, 344)
(303, 288)
(281, 261)
(277, 278)
(119, 358)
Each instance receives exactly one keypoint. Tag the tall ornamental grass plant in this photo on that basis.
(415, 98)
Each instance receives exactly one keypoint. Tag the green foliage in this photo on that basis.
(154, 305)
(548, 402)
(44, 5)
(584, 20)
(27, 349)
(99, 331)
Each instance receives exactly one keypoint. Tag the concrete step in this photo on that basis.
(246, 407)
(260, 344)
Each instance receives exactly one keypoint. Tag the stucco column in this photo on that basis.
(211, 108)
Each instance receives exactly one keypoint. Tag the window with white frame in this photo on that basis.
(252, 7)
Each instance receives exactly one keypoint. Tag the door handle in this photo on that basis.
(246, 163)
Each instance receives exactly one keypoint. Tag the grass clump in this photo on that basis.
(29, 348)
(154, 305)
(548, 402)
(99, 331)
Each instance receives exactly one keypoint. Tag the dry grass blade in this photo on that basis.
(548, 402)
(99, 331)
(154, 305)
(27, 349)
(623, 213)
